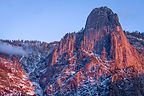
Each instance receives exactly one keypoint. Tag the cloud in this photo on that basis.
(6, 48)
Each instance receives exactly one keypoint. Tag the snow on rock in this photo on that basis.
(13, 79)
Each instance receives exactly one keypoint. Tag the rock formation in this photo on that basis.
(98, 60)
(13, 79)
(102, 34)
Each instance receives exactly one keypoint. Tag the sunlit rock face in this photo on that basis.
(96, 61)
(97, 56)
(13, 79)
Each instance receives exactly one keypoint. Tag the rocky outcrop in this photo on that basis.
(13, 79)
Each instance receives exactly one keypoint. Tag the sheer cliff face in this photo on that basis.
(101, 50)
(103, 30)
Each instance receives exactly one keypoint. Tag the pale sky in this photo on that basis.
(50, 20)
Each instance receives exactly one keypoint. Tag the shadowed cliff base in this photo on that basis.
(133, 86)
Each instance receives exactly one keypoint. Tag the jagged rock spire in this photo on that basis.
(100, 17)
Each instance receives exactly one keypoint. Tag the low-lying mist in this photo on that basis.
(8, 49)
